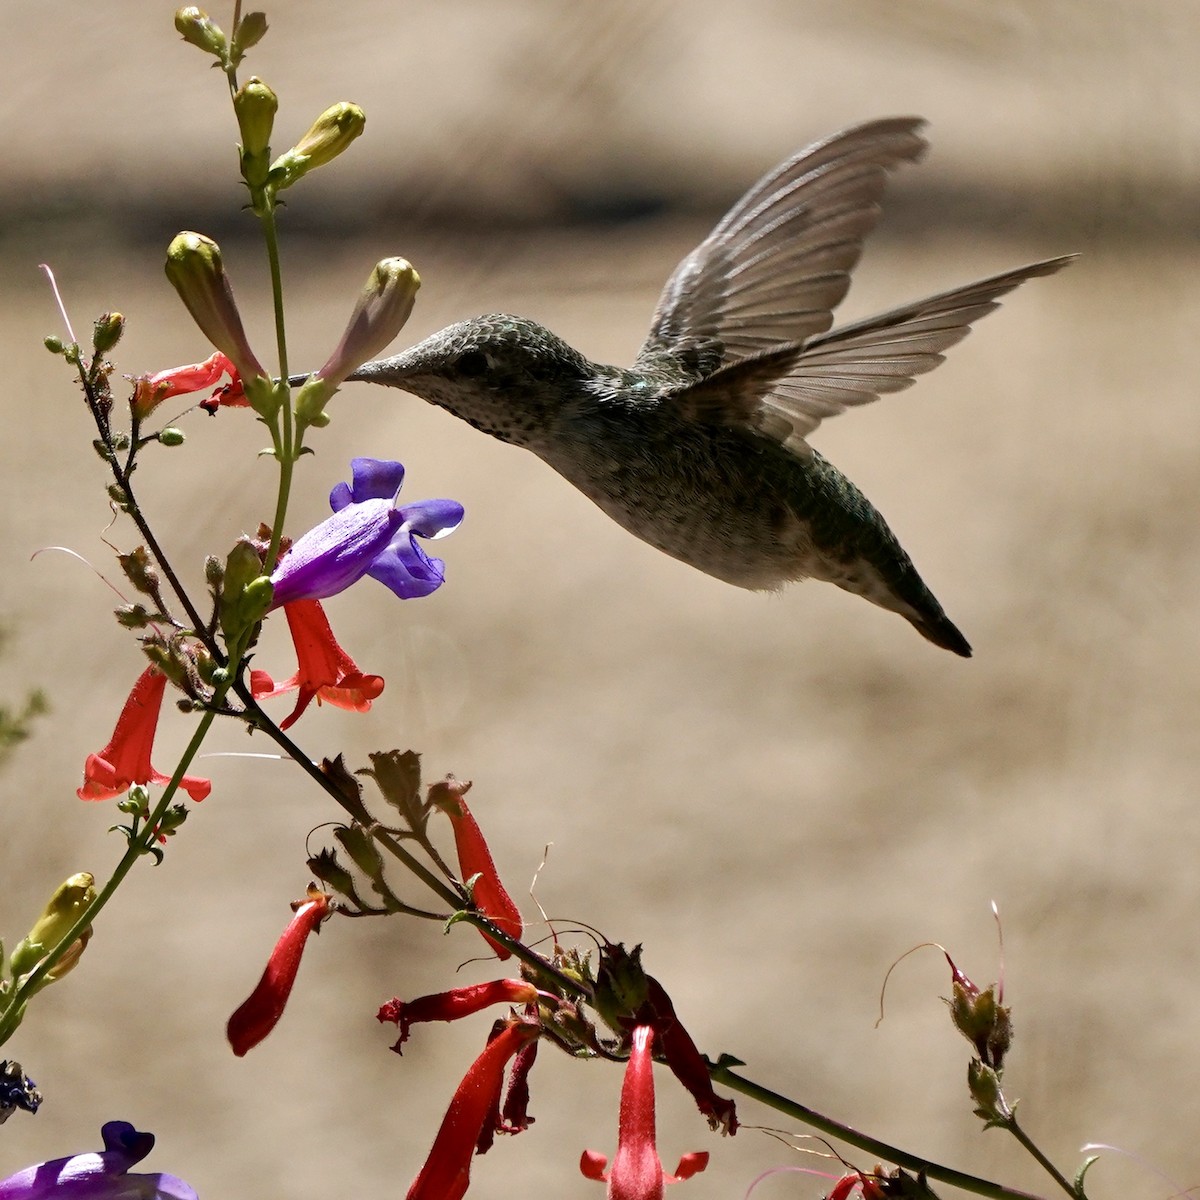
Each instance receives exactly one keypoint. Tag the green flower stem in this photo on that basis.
(286, 451)
(1054, 1173)
(137, 848)
(902, 1158)
(231, 71)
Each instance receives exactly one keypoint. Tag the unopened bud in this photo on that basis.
(246, 593)
(106, 332)
(330, 134)
(54, 344)
(383, 307)
(255, 106)
(66, 906)
(196, 272)
(200, 30)
(171, 436)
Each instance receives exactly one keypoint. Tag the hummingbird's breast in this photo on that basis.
(720, 500)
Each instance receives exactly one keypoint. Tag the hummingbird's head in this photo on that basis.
(502, 374)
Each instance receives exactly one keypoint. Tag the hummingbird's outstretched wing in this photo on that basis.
(779, 262)
(787, 392)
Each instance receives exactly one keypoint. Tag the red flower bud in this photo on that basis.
(475, 861)
(261, 1010)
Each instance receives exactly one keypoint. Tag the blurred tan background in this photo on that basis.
(777, 795)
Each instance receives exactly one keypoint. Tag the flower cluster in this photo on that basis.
(476, 1113)
(370, 533)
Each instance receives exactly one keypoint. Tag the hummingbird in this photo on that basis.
(701, 447)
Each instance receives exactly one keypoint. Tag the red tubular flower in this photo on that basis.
(456, 1003)
(325, 671)
(447, 1170)
(475, 860)
(260, 1012)
(637, 1172)
(126, 759)
(685, 1060)
(149, 391)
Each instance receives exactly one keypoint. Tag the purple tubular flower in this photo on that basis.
(368, 534)
(99, 1175)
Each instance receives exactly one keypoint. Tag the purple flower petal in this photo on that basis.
(432, 518)
(100, 1175)
(407, 569)
(368, 534)
(338, 552)
(374, 479)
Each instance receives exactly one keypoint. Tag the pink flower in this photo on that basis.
(475, 861)
(126, 759)
(261, 1010)
(637, 1172)
(325, 671)
(447, 1170)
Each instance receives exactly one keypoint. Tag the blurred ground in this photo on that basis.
(777, 795)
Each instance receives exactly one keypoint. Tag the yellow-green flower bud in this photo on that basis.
(246, 592)
(199, 29)
(65, 908)
(255, 105)
(330, 134)
(106, 332)
(195, 270)
(383, 308)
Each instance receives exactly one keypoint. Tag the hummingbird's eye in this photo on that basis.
(472, 362)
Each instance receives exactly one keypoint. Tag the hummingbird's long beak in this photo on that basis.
(382, 370)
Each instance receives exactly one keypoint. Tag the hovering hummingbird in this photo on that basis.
(700, 448)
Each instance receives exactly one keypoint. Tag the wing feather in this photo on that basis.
(779, 262)
(785, 391)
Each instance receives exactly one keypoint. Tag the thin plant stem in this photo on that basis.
(286, 451)
(136, 849)
(1054, 1173)
(882, 1150)
(123, 475)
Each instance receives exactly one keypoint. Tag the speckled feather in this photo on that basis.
(700, 449)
